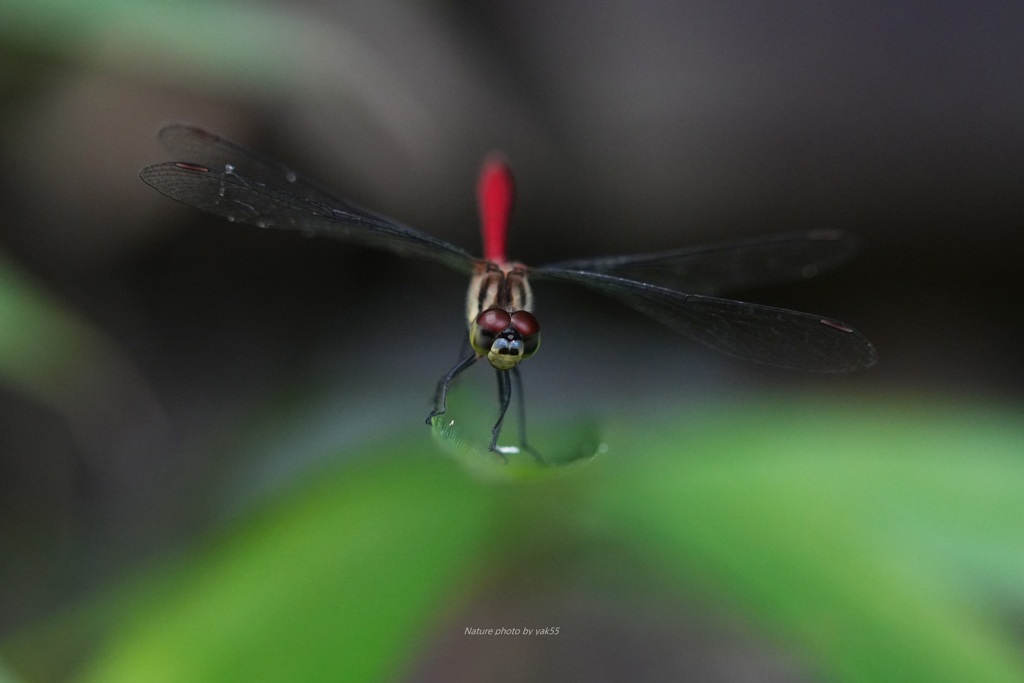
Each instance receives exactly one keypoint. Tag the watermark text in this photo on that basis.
(507, 631)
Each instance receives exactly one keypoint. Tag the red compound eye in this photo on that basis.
(526, 324)
(494, 320)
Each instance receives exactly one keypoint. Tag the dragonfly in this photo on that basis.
(679, 288)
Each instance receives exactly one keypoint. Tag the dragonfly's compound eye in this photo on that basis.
(526, 324)
(494, 320)
(486, 328)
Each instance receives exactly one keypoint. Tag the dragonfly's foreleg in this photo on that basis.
(504, 399)
(441, 393)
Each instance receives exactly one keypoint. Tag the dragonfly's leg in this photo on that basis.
(465, 346)
(441, 393)
(517, 378)
(504, 399)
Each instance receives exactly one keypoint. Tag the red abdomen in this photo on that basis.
(495, 194)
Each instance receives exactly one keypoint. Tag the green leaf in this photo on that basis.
(877, 542)
(841, 535)
(343, 576)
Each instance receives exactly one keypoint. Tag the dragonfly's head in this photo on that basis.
(505, 338)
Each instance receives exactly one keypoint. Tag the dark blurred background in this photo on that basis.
(631, 127)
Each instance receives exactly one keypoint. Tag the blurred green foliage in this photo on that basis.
(880, 541)
(54, 357)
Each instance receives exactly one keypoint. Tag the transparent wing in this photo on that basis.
(199, 147)
(775, 336)
(225, 179)
(727, 266)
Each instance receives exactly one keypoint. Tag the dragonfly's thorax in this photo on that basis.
(498, 306)
(498, 285)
